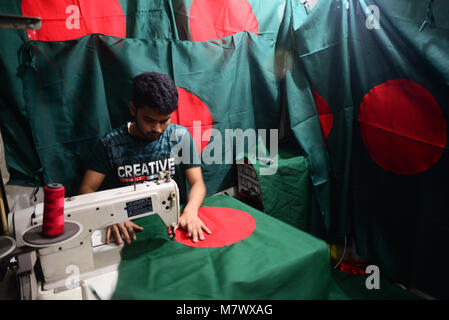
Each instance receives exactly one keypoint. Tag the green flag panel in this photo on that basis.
(317, 94)
(77, 90)
(63, 20)
(321, 46)
(22, 159)
(276, 261)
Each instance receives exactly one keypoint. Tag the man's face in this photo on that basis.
(150, 124)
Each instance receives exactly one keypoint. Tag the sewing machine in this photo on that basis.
(67, 266)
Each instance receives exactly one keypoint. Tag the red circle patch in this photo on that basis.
(71, 19)
(190, 109)
(217, 19)
(402, 127)
(324, 114)
(227, 225)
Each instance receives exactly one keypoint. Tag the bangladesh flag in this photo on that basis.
(400, 83)
(70, 20)
(62, 20)
(313, 45)
(249, 255)
(78, 90)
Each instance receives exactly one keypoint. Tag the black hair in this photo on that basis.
(155, 90)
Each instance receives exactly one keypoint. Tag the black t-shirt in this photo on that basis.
(118, 155)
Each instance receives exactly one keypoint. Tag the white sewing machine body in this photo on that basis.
(70, 264)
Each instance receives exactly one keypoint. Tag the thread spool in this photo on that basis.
(53, 224)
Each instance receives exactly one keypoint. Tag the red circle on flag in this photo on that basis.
(402, 127)
(193, 114)
(216, 19)
(324, 114)
(227, 225)
(71, 19)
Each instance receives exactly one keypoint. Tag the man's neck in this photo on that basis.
(133, 132)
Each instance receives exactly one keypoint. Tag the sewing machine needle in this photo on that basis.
(94, 292)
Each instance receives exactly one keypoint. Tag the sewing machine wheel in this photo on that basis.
(7, 245)
(34, 237)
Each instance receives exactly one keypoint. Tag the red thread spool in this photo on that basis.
(53, 224)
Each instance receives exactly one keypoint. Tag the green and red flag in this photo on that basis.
(70, 20)
(400, 82)
(78, 90)
(280, 261)
(317, 92)
(62, 20)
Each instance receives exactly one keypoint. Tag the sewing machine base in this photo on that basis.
(93, 285)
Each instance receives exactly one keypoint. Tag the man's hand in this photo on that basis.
(124, 228)
(190, 222)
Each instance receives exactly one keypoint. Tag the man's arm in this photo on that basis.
(91, 182)
(189, 219)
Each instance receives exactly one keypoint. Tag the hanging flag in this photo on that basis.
(313, 44)
(400, 80)
(63, 20)
(78, 90)
(20, 152)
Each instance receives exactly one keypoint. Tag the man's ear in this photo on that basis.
(132, 109)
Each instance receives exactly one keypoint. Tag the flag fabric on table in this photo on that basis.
(276, 261)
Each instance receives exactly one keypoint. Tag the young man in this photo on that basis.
(143, 148)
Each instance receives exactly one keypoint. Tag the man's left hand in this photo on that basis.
(193, 225)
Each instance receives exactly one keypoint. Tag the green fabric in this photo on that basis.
(401, 221)
(149, 19)
(66, 106)
(314, 57)
(398, 221)
(276, 261)
(21, 156)
(323, 51)
(286, 194)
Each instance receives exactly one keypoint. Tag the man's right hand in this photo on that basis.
(125, 229)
